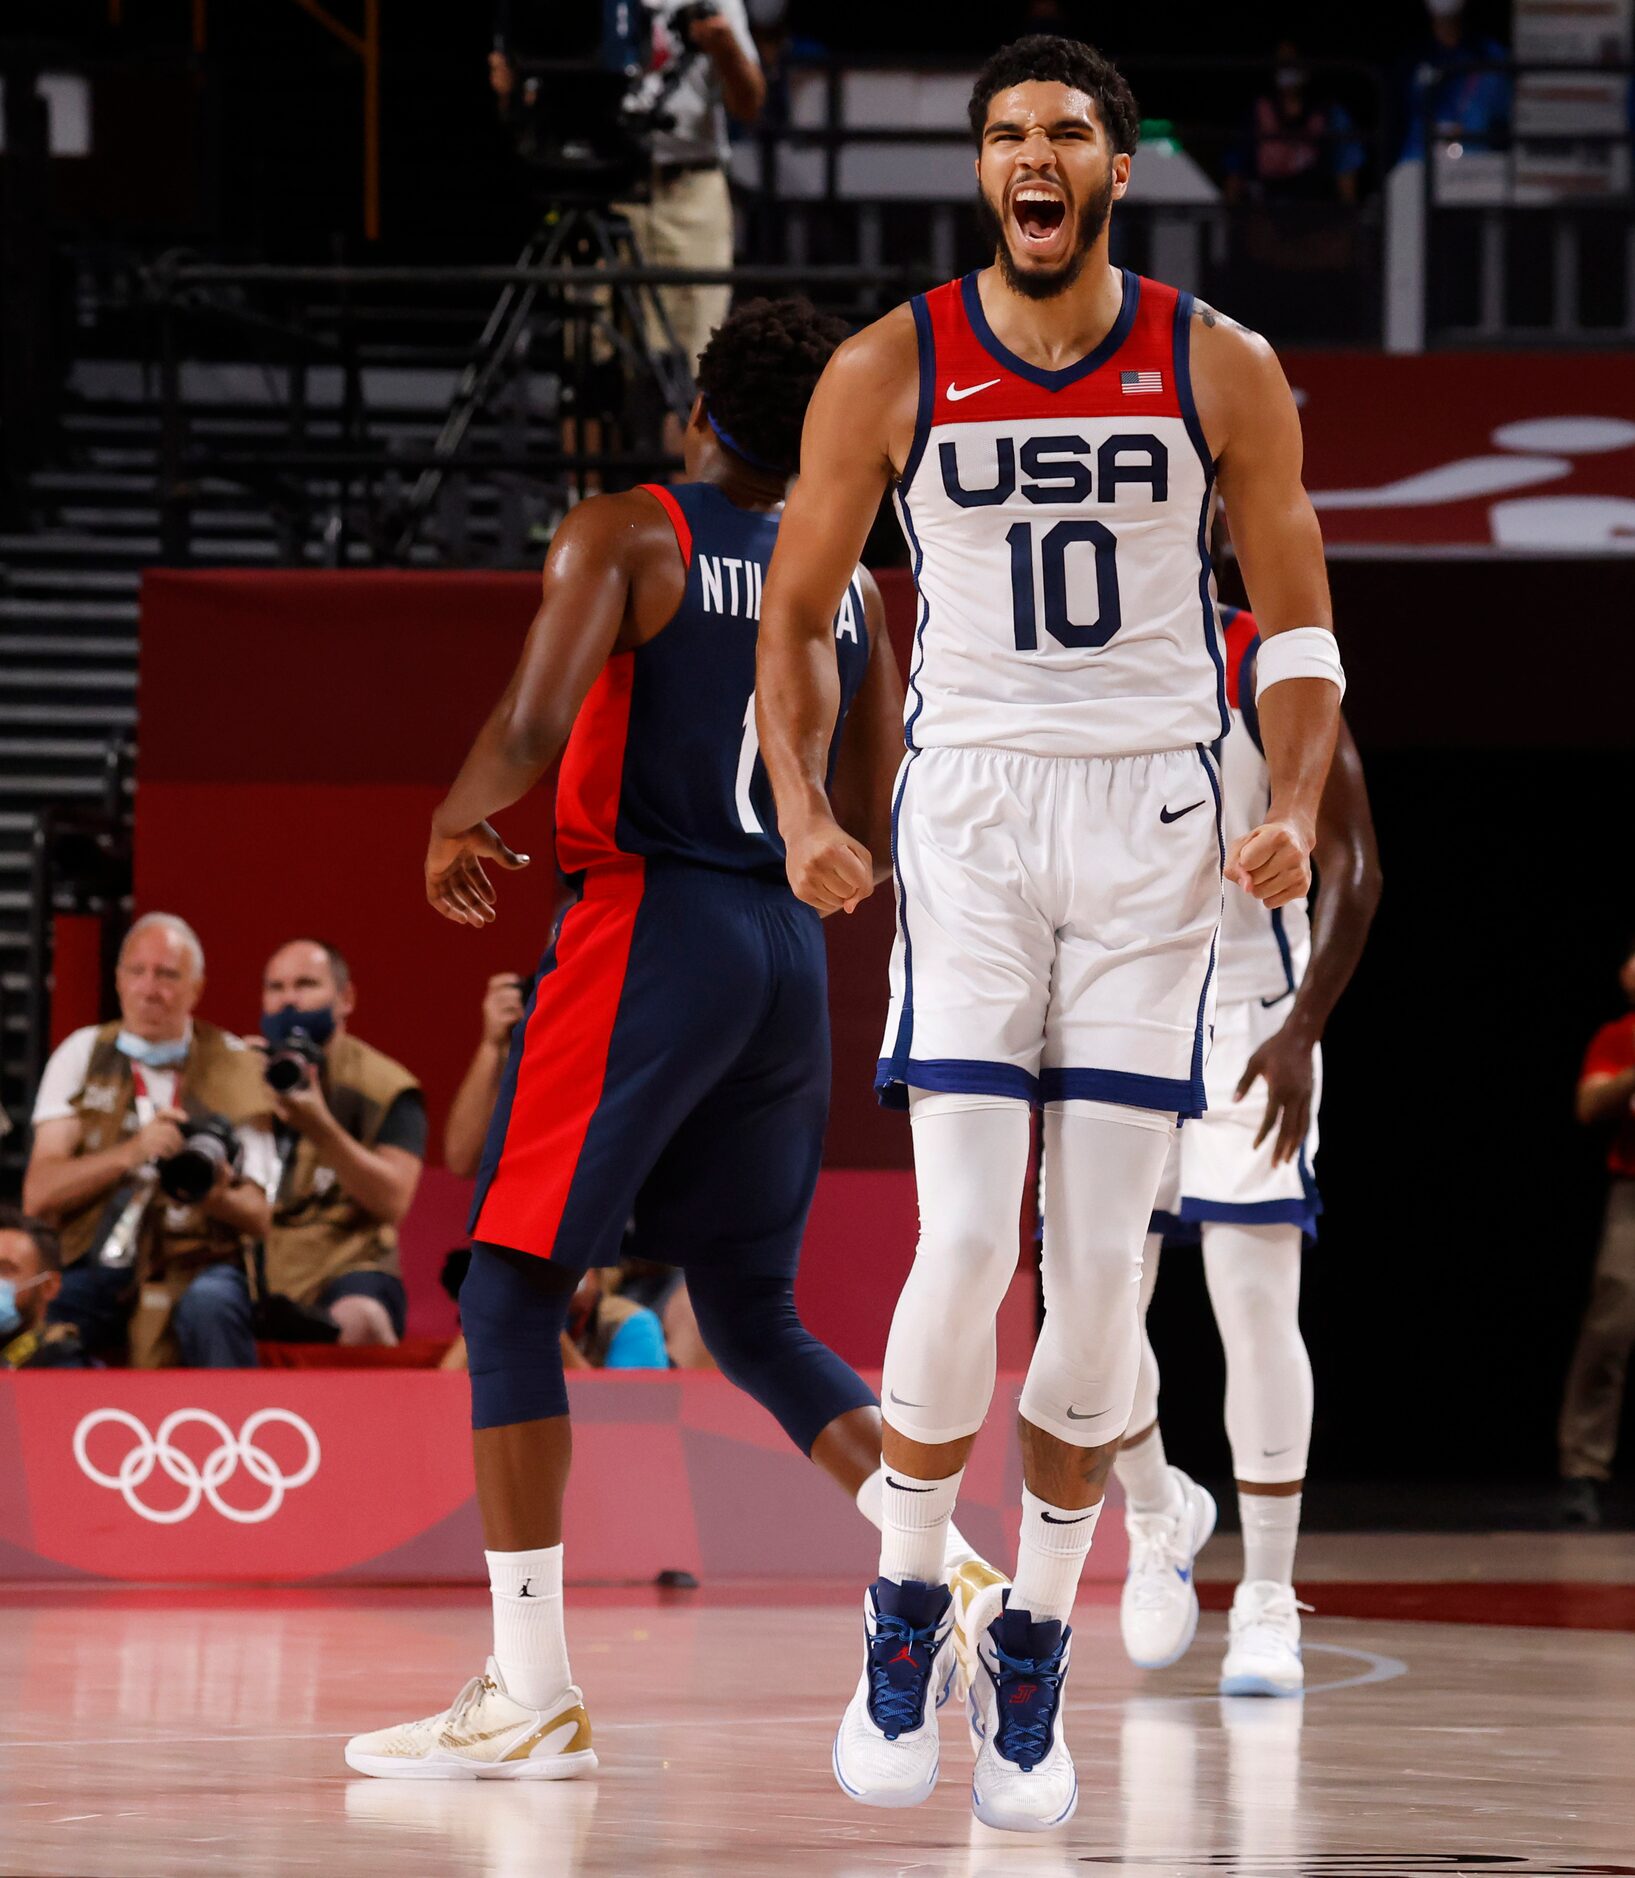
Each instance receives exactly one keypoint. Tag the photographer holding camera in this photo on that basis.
(351, 1136)
(152, 1160)
(707, 69)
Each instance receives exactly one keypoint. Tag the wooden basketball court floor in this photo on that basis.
(1470, 1709)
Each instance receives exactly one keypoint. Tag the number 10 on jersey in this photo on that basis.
(1060, 595)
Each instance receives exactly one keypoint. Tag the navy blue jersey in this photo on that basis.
(663, 758)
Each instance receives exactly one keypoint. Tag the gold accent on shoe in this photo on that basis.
(966, 1582)
(578, 1745)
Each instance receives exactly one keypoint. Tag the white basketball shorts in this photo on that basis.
(1215, 1171)
(1056, 922)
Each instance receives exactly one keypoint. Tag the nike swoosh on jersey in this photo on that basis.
(954, 394)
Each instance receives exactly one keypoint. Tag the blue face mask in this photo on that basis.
(11, 1319)
(151, 1055)
(319, 1025)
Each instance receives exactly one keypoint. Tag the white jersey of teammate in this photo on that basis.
(1057, 822)
(1215, 1171)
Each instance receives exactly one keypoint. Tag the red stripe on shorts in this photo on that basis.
(564, 1064)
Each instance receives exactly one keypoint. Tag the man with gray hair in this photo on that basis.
(161, 1270)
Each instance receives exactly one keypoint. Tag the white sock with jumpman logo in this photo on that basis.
(530, 1644)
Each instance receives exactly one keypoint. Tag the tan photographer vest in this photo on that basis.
(318, 1230)
(218, 1077)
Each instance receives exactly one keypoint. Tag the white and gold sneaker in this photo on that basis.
(485, 1735)
(966, 1582)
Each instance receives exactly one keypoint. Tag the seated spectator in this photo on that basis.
(30, 1277)
(1296, 147)
(1466, 104)
(608, 1331)
(661, 1288)
(144, 1271)
(351, 1140)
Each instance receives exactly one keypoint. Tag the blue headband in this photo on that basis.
(749, 456)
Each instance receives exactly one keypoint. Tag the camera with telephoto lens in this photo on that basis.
(287, 1065)
(207, 1144)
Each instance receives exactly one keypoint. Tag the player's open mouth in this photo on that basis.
(1040, 215)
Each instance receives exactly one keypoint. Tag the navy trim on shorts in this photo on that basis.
(1214, 944)
(951, 1075)
(1184, 303)
(1301, 1213)
(1167, 1093)
(916, 662)
(904, 1040)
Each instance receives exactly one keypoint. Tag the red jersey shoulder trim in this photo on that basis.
(678, 521)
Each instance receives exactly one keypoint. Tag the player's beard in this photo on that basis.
(1045, 284)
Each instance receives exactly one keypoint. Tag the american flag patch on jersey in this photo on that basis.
(1140, 381)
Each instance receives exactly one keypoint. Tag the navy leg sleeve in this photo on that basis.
(513, 1309)
(751, 1327)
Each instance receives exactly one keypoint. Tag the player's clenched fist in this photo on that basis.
(1273, 862)
(827, 869)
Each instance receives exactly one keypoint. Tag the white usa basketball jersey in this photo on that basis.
(1262, 954)
(1059, 527)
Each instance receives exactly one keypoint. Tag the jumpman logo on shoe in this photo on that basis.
(904, 1655)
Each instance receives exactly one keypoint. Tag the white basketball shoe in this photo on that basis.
(887, 1748)
(485, 1734)
(1158, 1613)
(1263, 1641)
(1024, 1779)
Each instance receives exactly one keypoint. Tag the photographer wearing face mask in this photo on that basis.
(30, 1277)
(151, 1159)
(351, 1133)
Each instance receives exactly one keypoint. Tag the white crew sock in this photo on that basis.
(530, 1645)
(1271, 1529)
(1144, 1474)
(914, 1521)
(1055, 1543)
(956, 1548)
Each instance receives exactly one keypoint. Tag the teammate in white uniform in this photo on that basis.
(1055, 430)
(1240, 1177)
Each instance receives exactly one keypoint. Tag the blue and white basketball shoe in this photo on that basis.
(887, 1747)
(1024, 1779)
(1158, 1613)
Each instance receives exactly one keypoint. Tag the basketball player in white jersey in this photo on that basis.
(1240, 1179)
(1055, 430)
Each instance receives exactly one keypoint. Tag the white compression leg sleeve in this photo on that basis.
(1144, 1410)
(970, 1162)
(1105, 1165)
(1253, 1273)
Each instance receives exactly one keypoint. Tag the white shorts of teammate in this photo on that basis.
(1215, 1171)
(1056, 927)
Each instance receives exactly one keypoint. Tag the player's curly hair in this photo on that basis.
(1048, 57)
(757, 375)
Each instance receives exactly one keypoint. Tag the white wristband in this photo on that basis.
(1304, 652)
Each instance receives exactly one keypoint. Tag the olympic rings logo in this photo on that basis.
(199, 1482)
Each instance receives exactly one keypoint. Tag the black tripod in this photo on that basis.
(599, 326)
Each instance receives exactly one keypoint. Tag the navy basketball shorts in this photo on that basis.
(672, 1067)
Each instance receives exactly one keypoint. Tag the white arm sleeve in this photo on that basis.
(1303, 652)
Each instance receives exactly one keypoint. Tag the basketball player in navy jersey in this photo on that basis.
(1055, 429)
(673, 1061)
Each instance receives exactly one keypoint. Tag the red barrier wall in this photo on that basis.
(285, 1477)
